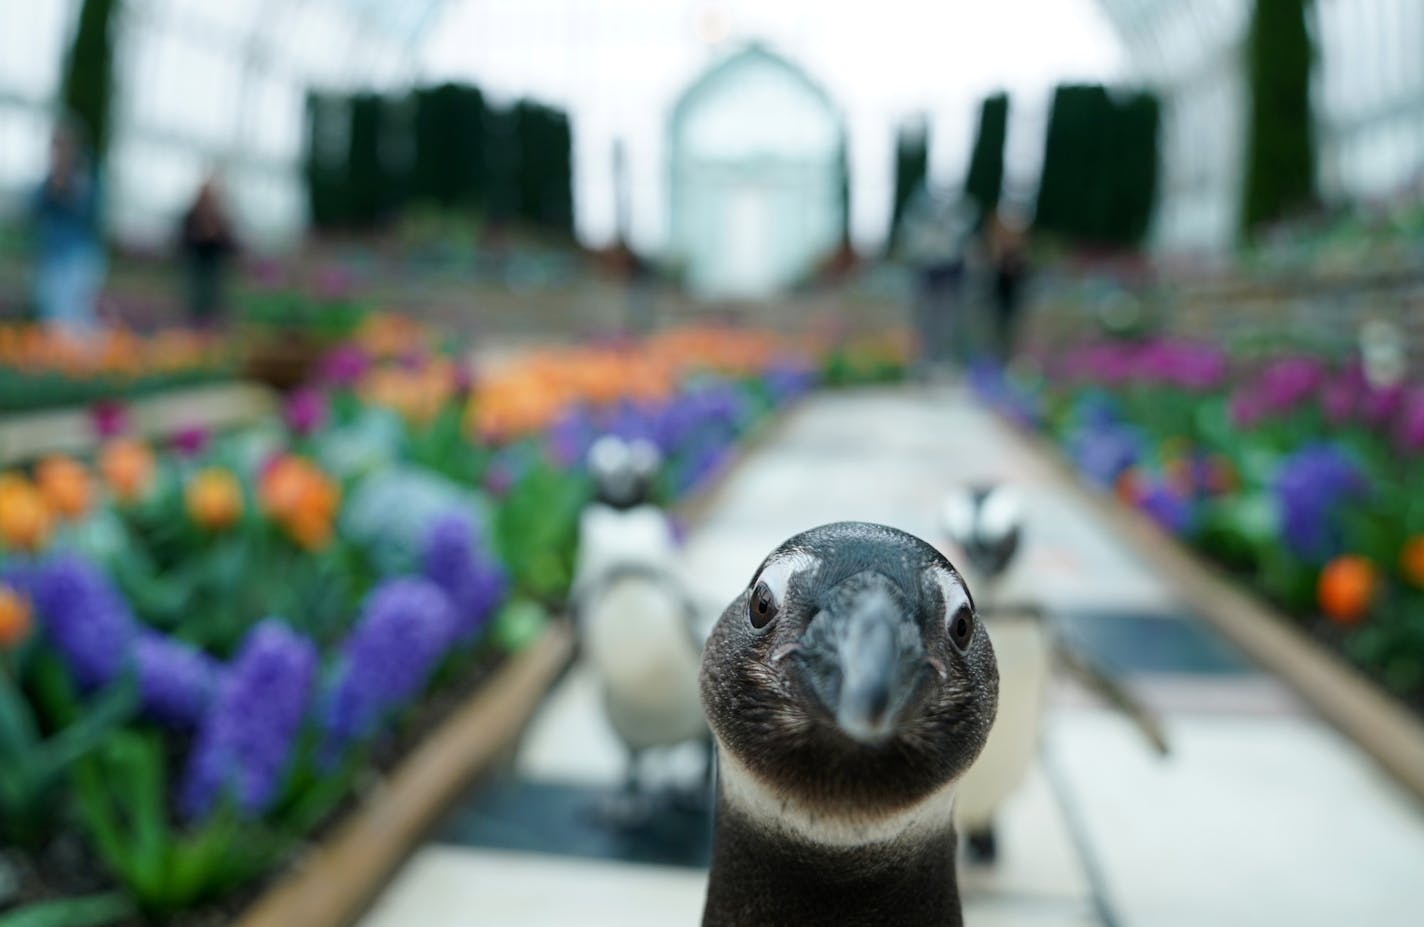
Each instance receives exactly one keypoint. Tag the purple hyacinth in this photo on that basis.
(176, 681)
(244, 746)
(84, 617)
(1103, 452)
(787, 380)
(406, 624)
(1169, 509)
(456, 560)
(570, 437)
(1309, 487)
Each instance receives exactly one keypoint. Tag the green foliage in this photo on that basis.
(985, 180)
(545, 172)
(536, 529)
(296, 312)
(121, 794)
(88, 72)
(911, 168)
(88, 911)
(328, 153)
(1100, 165)
(32, 765)
(1280, 138)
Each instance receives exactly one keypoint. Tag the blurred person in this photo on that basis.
(69, 262)
(207, 242)
(936, 230)
(1008, 259)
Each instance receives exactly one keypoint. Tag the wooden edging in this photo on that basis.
(1337, 691)
(333, 884)
(27, 435)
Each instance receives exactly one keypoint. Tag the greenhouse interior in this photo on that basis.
(657, 462)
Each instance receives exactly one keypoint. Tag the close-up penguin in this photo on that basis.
(848, 687)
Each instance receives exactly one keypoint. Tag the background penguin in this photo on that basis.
(986, 523)
(635, 619)
(848, 688)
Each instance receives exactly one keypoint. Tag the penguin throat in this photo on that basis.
(750, 797)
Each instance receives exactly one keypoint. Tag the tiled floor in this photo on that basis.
(1260, 815)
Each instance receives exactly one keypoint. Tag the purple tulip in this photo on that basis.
(305, 411)
(109, 417)
(1169, 509)
(343, 366)
(191, 440)
(245, 744)
(1409, 428)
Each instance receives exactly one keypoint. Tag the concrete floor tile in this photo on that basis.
(456, 887)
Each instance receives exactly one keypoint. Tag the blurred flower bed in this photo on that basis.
(43, 368)
(208, 645)
(1299, 473)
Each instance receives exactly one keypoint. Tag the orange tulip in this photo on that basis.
(1346, 588)
(15, 617)
(127, 467)
(64, 483)
(214, 499)
(1411, 560)
(301, 499)
(24, 517)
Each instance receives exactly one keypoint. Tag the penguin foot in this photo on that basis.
(983, 847)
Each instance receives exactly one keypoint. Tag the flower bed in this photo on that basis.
(41, 368)
(1295, 472)
(206, 647)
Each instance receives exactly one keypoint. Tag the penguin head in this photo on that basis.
(623, 471)
(986, 523)
(851, 675)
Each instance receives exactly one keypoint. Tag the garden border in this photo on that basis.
(1337, 691)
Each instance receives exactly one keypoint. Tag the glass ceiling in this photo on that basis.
(206, 85)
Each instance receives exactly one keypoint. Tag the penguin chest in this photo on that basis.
(1024, 650)
(638, 644)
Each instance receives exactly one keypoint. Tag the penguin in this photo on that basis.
(986, 523)
(849, 686)
(636, 619)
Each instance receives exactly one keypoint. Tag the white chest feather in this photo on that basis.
(749, 795)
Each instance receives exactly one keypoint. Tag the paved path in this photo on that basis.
(1260, 816)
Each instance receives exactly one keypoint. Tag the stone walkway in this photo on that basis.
(1260, 815)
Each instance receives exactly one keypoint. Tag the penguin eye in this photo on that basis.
(959, 617)
(769, 587)
(762, 606)
(961, 628)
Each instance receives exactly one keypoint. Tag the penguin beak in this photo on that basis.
(879, 659)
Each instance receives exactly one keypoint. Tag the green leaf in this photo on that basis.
(90, 911)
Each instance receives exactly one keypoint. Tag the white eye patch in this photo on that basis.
(953, 593)
(778, 571)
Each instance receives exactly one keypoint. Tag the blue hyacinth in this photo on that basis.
(176, 681)
(457, 560)
(244, 746)
(1309, 487)
(406, 625)
(84, 617)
